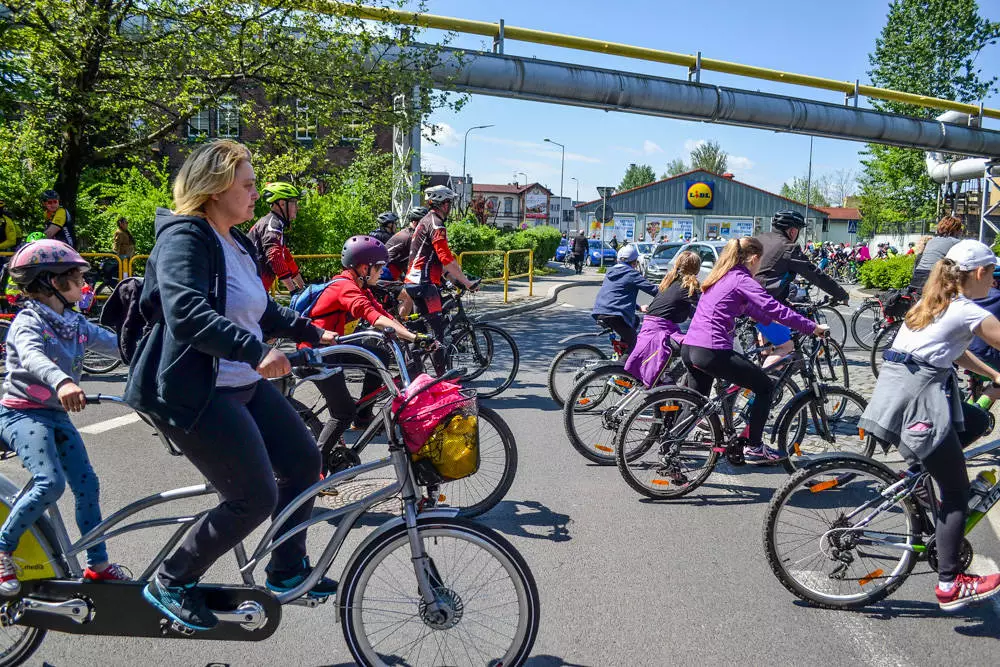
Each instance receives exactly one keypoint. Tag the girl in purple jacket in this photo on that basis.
(728, 292)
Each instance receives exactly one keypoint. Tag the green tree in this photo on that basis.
(797, 187)
(928, 47)
(674, 167)
(708, 155)
(113, 78)
(637, 175)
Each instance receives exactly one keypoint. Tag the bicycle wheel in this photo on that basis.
(594, 410)
(487, 601)
(663, 449)
(866, 322)
(95, 363)
(312, 422)
(19, 641)
(816, 552)
(831, 364)
(480, 492)
(882, 343)
(568, 366)
(4, 329)
(490, 356)
(808, 427)
(832, 318)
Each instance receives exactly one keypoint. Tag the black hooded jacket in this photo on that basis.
(782, 261)
(184, 298)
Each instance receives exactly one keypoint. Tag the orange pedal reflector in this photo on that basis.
(797, 449)
(622, 383)
(861, 433)
(583, 401)
(603, 448)
(823, 486)
(669, 408)
(867, 579)
(661, 482)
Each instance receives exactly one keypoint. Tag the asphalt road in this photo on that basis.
(623, 581)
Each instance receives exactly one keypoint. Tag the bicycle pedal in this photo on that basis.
(179, 628)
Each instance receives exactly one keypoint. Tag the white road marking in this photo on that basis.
(109, 424)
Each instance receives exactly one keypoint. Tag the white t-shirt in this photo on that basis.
(246, 301)
(945, 339)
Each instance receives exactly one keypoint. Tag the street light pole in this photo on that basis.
(562, 171)
(465, 147)
(604, 192)
(576, 214)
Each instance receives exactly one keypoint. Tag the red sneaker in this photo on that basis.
(113, 572)
(968, 588)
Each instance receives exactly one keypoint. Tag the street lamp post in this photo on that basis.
(465, 147)
(576, 214)
(604, 191)
(562, 171)
(521, 173)
(521, 200)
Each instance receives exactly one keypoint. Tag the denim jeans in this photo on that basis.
(51, 449)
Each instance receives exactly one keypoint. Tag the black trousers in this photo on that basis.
(705, 364)
(578, 263)
(946, 465)
(624, 330)
(245, 438)
(341, 405)
(427, 301)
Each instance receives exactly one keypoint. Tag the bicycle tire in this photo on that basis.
(493, 335)
(4, 330)
(98, 364)
(838, 326)
(460, 490)
(24, 647)
(793, 424)
(831, 364)
(434, 531)
(882, 343)
(801, 480)
(866, 322)
(589, 395)
(555, 368)
(668, 478)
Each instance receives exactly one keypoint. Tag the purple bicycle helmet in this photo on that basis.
(47, 256)
(360, 250)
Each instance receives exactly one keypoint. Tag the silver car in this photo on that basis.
(659, 261)
(645, 249)
(709, 252)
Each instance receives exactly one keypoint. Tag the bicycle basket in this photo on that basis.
(452, 447)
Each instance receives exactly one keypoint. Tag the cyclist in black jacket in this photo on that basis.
(783, 259)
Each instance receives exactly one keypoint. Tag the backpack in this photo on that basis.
(303, 302)
(121, 312)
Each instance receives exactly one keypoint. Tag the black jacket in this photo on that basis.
(184, 296)
(782, 261)
(580, 246)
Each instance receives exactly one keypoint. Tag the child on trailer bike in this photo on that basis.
(731, 291)
(45, 349)
(917, 406)
(346, 300)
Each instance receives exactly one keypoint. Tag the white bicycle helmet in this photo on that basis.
(628, 253)
(440, 194)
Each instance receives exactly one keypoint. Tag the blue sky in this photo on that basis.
(829, 39)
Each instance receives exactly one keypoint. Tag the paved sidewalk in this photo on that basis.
(488, 304)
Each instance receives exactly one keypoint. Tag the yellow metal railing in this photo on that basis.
(638, 52)
(480, 253)
(131, 264)
(278, 288)
(530, 275)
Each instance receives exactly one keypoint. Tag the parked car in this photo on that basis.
(645, 249)
(564, 247)
(610, 255)
(709, 252)
(659, 262)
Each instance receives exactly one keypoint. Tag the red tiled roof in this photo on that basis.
(506, 188)
(841, 213)
(703, 171)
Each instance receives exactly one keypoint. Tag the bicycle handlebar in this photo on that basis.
(97, 399)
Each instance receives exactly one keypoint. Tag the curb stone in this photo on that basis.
(550, 299)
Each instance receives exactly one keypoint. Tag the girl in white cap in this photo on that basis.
(917, 406)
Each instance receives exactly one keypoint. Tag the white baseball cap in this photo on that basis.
(969, 255)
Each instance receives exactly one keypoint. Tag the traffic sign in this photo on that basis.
(604, 213)
(852, 226)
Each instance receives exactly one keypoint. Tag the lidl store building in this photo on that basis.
(703, 204)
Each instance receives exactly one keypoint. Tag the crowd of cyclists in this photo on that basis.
(201, 370)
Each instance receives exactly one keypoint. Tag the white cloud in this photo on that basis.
(536, 148)
(650, 147)
(440, 134)
(430, 161)
(739, 163)
(692, 144)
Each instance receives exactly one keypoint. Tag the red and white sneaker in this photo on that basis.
(968, 588)
(113, 572)
(9, 585)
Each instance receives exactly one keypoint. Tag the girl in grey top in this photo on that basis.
(45, 348)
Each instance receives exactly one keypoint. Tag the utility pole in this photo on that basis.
(576, 214)
(465, 147)
(562, 171)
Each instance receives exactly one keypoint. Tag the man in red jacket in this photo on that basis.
(342, 305)
(268, 236)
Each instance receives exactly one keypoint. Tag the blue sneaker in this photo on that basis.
(183, 604)
(282, 582)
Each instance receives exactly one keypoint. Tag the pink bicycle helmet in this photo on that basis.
(47, 256)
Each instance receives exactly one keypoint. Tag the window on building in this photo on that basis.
(305, 121)
(508, 206)
(353, 126)
(493, 205)
(568, 216)
(227, 118)
(826, 225)
(198, 123)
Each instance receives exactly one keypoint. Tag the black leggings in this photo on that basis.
(946, 465)
(341, 405)
(704, 365)
(244, 439)
(427, 301)
(624, 330)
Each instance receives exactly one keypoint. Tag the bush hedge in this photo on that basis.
(887, 273)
